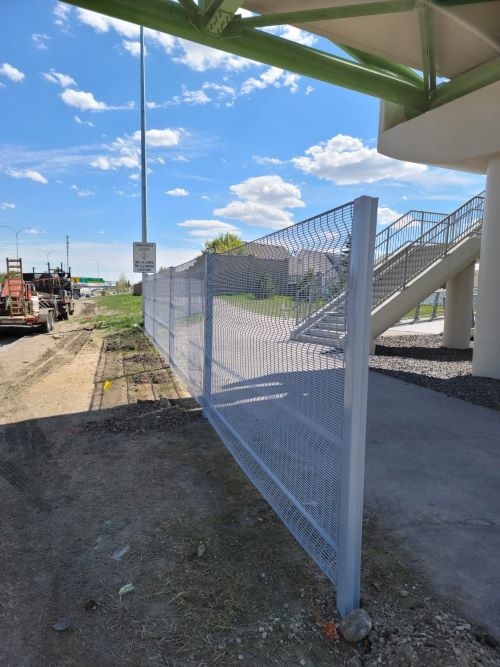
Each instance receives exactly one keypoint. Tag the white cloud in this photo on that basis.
(164, 138)
(208, 229)
(6, 205)
(40, 40)
(130, 31)
(346, 160)
(201, 58)
(11, 72)
(273, 76)
(195, 97)
(33, 231)
(61, 13)
(267, 160)
(263, 201)
(102, 23)
(79, 121)
(294, 34)
(309, 90)
(30, 174)
(272, 190)
(387, 215)
(81, 192)
(61, 79)
(134, 48)
(125, 151)
(87, 102)
(111, 163)
(205, 197)
(177, 192)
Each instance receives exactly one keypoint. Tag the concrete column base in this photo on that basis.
(458, 310)
(486, 358)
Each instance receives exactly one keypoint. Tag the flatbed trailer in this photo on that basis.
(21, 305)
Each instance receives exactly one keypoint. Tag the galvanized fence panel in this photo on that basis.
(291, 413)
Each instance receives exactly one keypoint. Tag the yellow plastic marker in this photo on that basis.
(107, 385)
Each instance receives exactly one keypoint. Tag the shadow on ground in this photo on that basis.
(147, 495)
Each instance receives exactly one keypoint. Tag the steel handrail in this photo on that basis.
(413, 256)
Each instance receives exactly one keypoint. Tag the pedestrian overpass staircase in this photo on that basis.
(414, 256)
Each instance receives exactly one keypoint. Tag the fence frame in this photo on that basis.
(359, 305)
(354, 407)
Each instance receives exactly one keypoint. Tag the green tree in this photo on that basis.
(122, 283)
(265, 286)
(222, 243)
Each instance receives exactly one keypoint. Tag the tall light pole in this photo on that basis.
(16, 232)
(143, 151)
(91, 259)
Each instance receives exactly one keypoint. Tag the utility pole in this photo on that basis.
(67, 253)
(143, 152)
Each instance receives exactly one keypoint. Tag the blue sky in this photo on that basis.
(232, 145)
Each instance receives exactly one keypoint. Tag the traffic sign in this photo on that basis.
(144, 257)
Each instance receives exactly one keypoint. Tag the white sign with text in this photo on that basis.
(144, 257)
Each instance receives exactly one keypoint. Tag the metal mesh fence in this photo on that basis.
(226, 323)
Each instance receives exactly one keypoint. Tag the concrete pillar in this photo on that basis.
(458, 309)
(486, 358)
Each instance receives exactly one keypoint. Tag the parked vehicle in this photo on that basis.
(21, 305)
(55, 285)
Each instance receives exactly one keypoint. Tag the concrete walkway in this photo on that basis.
(433, 479)
(410, 328)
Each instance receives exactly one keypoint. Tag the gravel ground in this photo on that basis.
(424, 361)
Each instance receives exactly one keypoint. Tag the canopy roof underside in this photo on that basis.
(463, 35)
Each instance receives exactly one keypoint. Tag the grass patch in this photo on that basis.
(275, 306)
(424, 312)
(118, 312)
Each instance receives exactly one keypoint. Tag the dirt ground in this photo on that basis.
(130, 537)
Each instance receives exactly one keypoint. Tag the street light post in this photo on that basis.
(16, 232)
(91, 259)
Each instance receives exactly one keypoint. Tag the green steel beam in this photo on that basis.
(190, 6)
(427, 47)
(327, 13)
(170, 17)
(219, 15)
(382, 64)
(466, 83)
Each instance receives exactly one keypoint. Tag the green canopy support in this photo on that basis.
(466, 83)
(213, 23)
(170, 17)
(219, 15)
(382, 64)
(427, 45)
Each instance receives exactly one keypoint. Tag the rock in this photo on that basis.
(403, 593)
(62, 624)
(240, 657)
(201, 550)
(355, 661)
(302, 661)
(356, 626)
(119, 553)
(461, 628)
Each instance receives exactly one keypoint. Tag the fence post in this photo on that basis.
(171, 319)
(359, 304)
(208, 334)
